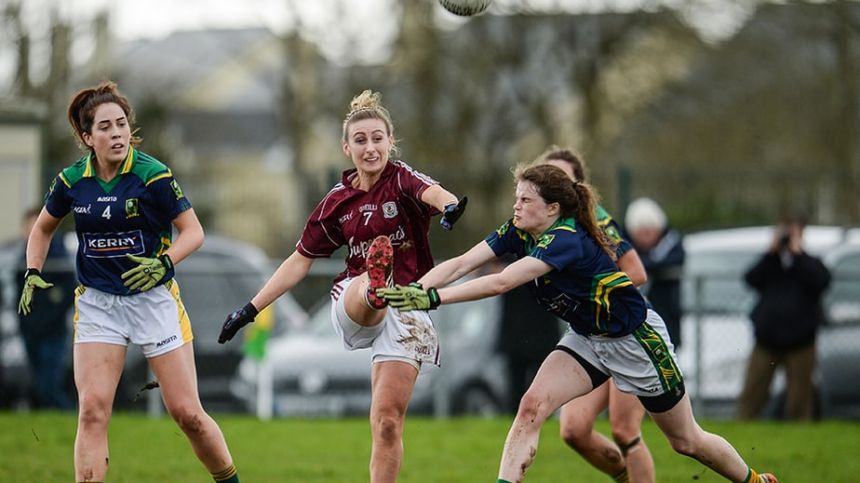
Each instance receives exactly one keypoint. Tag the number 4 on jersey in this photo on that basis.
(106, 213)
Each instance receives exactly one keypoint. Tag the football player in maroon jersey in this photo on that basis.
(380, 210)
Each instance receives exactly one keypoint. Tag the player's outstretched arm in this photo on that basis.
(292, 271)
(523, 270)
(458, 267)
(416, 297)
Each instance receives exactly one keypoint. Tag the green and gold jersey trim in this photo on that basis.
(142, 165)
(602, 287)
(543, 241)
(661, 357)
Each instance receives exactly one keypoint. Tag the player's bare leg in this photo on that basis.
(177, 378)
(577, 430)
(559, 379)
(625, 417)
(687, 438)
(97, 371)
(361, 303)
(392, 386)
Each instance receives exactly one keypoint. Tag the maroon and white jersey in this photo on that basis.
(352, 217)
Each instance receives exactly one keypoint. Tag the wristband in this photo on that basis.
(32, 271)
(166, 261)
(433, 295)
(250, 309)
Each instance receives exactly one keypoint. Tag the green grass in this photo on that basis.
(38, 448)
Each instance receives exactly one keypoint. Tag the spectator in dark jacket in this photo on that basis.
(45, 331)
(790, 284)
(662, 253)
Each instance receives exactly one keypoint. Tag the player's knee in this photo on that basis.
(684, 446)
(388, 425)
(189, 419)
(625, 436)
(531, 409)
(94, 412)
(93, 418)
(575, 434)
(627, 443)
(387, 429)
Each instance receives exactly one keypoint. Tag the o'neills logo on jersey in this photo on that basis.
(113, 245)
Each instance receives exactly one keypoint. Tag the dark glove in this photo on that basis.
(147, 273)
(453, 212)
(32, 280)
(411, 297)
(236, 321)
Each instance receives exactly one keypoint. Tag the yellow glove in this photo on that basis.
(32, 280)
(410, 297)
(147, 273)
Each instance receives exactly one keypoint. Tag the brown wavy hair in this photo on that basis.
(576, 199)
(82, 110)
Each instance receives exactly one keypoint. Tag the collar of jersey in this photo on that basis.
(90, 172)
(566, 224)
(346, 178)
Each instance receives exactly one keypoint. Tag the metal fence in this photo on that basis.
(718, 337)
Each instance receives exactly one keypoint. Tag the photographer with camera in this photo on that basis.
(791, 284)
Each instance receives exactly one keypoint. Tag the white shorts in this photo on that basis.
(401, 336)
(155, 320)
(641, 363)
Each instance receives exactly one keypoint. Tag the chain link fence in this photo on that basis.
(718, 338)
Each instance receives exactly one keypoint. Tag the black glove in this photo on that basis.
(236, 321)
(453, 212)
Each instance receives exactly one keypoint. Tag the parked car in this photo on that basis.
(220, 276)
(313, 375)
(839, 347)
(717, 331)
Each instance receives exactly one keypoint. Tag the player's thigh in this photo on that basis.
(177, 377)
(98, 367)
(578, 415)
(625, 412)
(392, 384)
(560, 378)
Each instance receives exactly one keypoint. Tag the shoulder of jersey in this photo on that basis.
(149, 169)
(72, 174)
(601, 214)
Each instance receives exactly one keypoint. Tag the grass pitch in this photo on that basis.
(37, 447)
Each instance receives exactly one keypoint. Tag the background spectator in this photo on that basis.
(45, 331)
(790, 284)
(662, 253)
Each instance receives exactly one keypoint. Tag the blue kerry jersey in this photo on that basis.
(130, 215)
(585, 287)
